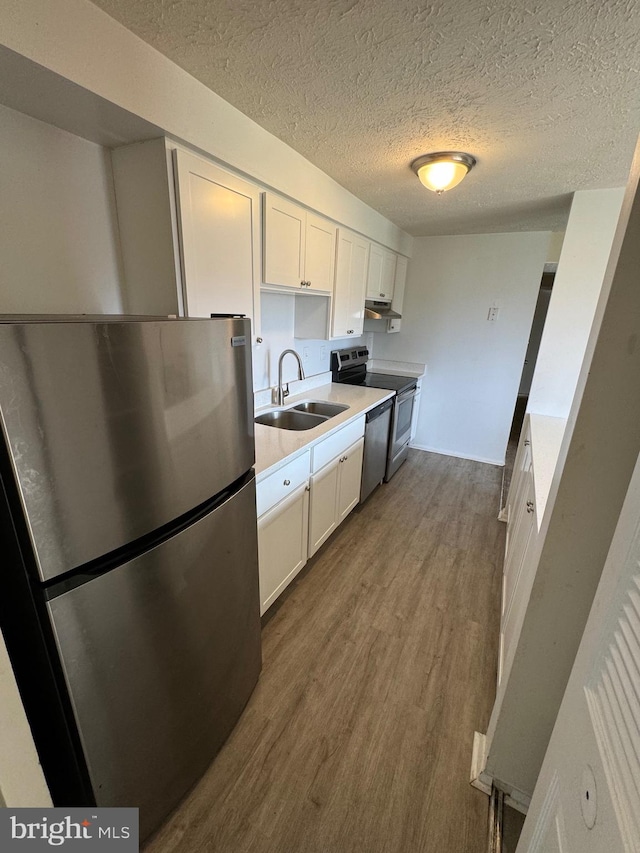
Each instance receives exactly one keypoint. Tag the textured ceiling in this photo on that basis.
(546, 94)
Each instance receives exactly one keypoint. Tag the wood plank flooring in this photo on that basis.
(378, 666)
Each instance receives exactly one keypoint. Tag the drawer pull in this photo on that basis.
(529, 506)
(287, 483)
(527, 442)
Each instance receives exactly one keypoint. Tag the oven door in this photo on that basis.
(400, 431)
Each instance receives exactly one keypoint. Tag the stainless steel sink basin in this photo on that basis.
(319, 407)
(291, 419)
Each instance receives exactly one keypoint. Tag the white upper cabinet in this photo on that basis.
(382, 269)
(190, 234)
(398, 291)
(352, 261)
(320, 253)
(299, 246)
(219, 217)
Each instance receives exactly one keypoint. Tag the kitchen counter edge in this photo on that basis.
(276, 447)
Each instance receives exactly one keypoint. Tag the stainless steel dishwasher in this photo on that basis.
(376, 443)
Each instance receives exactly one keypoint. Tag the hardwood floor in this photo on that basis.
(378, 666)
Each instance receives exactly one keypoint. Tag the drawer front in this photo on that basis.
(282, 483)
(337, 444)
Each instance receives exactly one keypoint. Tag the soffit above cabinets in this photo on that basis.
(544, 94)
(41, 93)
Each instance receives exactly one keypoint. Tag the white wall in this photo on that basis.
(598, 454)
(21, 780)
(473, 366)
(58, 233)
(585, 252)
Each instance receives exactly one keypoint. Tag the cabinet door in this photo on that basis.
(219, 218)
(320, 253)
(374, 275)
(350, 479)
(388, 273)
(398, 292)
(350, 285)
(282, 545)
(284, 242)
(322, 506)
(518, 578)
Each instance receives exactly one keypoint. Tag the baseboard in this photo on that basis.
(498, 462)
(485, 782)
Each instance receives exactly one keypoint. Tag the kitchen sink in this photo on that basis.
(319, 407)
(291, 419)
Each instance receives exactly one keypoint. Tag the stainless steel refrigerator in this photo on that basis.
(129, 599)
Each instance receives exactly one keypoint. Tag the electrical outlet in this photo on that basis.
(492, 316)
(305, 353)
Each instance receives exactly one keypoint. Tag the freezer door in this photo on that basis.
(160, 657)
(114, 429)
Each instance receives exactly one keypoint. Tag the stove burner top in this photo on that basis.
(349, 366)
(386, 381)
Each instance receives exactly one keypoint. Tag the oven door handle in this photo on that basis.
(408, 395)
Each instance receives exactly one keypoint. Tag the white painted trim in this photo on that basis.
(499, 463)
(483, 781)
(478, 777)
(518, 800)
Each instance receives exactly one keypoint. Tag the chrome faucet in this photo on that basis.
(281, 392)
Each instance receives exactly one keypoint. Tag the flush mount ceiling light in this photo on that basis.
(443, 170)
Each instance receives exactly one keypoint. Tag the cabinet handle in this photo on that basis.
(529, 506)
(527, 442)
(258, 340)
(308, 284)
(287, 483)
(382, 294)
(307, 488)
(349, 331)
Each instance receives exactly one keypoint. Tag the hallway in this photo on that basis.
(378, 665)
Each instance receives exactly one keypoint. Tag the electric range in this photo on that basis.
(349, 366)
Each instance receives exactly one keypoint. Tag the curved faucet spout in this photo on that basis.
(281, 392)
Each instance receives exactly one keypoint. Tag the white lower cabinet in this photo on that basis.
(350, 480)
(282, 545)
(301, 504)
(335, 491)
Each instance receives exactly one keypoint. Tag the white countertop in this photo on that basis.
(546, 439)
(275, 447)
(398, 368)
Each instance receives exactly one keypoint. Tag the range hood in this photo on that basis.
(375, 310)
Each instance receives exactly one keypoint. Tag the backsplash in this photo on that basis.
(277, 333)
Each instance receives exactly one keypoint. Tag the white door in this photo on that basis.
(322, 504)
(374, 275)
(350, 479)
(219, 217)
(282, 545)
(284, 242)
(320, 253)
(350, 284)
(587, 799)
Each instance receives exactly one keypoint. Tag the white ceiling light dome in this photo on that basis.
(443, 170)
